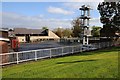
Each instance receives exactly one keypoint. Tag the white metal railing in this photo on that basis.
(17, 57)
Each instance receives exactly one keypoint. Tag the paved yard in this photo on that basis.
(42, 45)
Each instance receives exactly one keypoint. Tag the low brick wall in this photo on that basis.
(4, 49)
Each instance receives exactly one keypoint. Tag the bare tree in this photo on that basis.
(77, 30)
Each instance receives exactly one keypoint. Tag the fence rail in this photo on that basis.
(17, 57)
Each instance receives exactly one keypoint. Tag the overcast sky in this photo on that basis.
(50, 14)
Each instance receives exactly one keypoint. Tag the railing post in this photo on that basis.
(100, 45)
(35, 55)
(72, 49)
(80, 49)
(50, 53)
(17, 58)
(62, 51)
(108, 44)
(1, 62)
(97, 45)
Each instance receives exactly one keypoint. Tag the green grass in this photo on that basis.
(94, 64)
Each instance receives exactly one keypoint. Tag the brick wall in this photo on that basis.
(4, 34)
(4, 49)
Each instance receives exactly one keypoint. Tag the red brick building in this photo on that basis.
(4, 44)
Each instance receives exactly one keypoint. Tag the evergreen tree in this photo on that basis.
(110, 17)
(77, 30)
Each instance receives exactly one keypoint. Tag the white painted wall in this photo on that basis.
(21, 38)
(51, 35)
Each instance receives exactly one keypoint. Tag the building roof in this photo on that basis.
(84, 7)
(4, 39)
(28, 31)
(3, 30)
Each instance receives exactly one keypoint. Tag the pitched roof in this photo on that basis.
(3, 30)
(4, 39)
(28, 31)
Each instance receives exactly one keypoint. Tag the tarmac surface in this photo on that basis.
(43, 45)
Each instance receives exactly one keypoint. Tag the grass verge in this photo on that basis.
(94, 64)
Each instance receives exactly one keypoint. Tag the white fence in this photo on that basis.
(17, 57)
